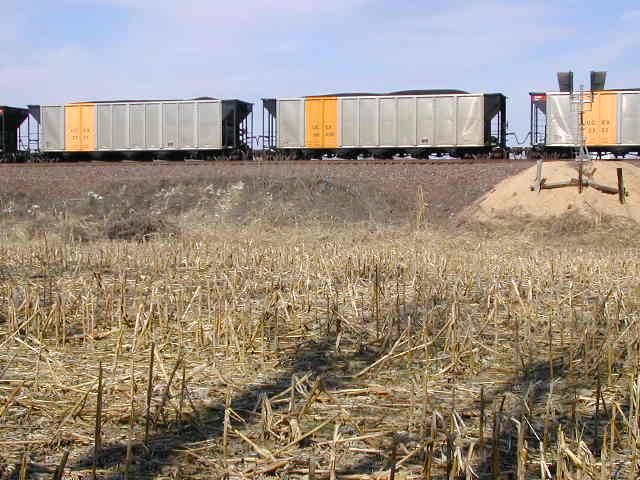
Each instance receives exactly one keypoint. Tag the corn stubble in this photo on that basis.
(315, 353)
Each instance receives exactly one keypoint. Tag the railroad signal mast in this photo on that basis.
(581, 102)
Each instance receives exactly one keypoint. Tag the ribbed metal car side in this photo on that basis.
(291, 123)
(152, 126)
(52, 128)
(629, 118)
(611, 119)
(412, 121)
(562, 123)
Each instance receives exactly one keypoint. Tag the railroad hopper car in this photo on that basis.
(417, 123)
(10, 120)
(611, 122)
(198, 128)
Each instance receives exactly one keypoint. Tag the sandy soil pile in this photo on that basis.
(514, 197)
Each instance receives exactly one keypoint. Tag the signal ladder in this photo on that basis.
(581, 102)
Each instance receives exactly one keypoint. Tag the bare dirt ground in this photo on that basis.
(514, 197)
(309, 322)
(384, 192)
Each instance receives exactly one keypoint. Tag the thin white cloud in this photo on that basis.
(612, 52)
(256, 48)
(480, 34)
(219, 12)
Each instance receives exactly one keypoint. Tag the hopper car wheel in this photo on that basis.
(308, 155)
(497, 154)
(286, 155)
(348, 154)
(534, 154)
(381, 155)
(271, 155)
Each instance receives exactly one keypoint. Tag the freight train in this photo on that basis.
(611, 122)
(204, 128)
(11, 119)
(416, 123)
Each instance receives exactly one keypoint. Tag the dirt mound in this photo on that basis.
(386, 193)
(513, 196)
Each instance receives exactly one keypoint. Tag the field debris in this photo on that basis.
(327, 350)
(232, 354)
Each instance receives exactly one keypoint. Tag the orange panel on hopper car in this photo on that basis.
(601, 119)
(322, 122)
(80, 127)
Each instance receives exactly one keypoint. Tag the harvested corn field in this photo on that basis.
(320, 349)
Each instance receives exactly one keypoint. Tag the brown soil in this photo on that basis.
(513, 196)
(386, 193)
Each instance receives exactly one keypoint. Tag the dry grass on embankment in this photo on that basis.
(255, 349)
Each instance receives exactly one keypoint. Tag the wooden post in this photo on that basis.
(580, 177)
(621, 192)
(538, 181)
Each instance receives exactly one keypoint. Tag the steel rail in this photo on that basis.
(260, 163)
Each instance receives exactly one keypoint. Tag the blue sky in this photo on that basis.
(69, 50)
